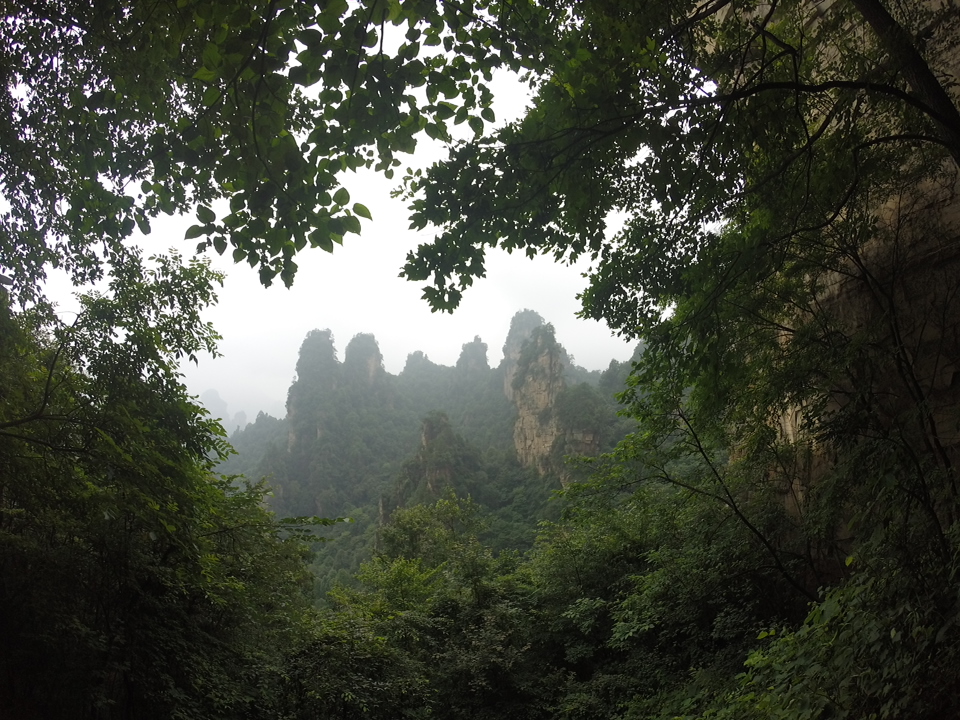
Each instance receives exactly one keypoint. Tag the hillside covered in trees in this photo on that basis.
(359, 443)
(772, 533)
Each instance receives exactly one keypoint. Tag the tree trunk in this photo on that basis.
(907, 59)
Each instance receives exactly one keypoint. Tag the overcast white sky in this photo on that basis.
(357, 289)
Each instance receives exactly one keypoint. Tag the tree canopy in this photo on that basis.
(116, 112)
(684, 116)
(765, 121)
(786, 174)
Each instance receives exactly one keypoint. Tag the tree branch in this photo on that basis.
(915, 70)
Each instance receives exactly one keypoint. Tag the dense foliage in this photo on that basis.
(358, 442)
(776, 539)
(134, 582)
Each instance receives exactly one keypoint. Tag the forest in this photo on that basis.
(359, 443)
(755, 517)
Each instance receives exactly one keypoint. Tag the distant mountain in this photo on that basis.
(217, 407)
(359, 442)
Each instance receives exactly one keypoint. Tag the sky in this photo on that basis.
(356, 289)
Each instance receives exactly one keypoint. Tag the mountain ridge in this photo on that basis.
(360, 442)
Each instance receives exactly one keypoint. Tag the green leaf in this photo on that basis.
(341, 197)
(362, 211)
(321, 239)
(205, 214)
(396, 10)
(194, 231)
(205, 74)
(351, 224)
(211, 56)
(211, 95)
(335, 8)
(143, 223)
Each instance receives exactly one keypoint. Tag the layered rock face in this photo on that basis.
(892, 311)
(437, 440)
(543, 435)
(888, 306)
(317, 376)
(363, 360)
(896, 305)
(537, 384)
(473, 357)
(320, 375)
(521, 327)
(347, 421)
(443, 461)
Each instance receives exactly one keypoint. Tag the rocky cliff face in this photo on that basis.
(350, 424)
(317, 375)
(521, 327)
(896, 305)
(890, 302)
(537, 383)
(320, 375)
(436, 456)
(473, 357)
(544, 433)
(363, 362)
